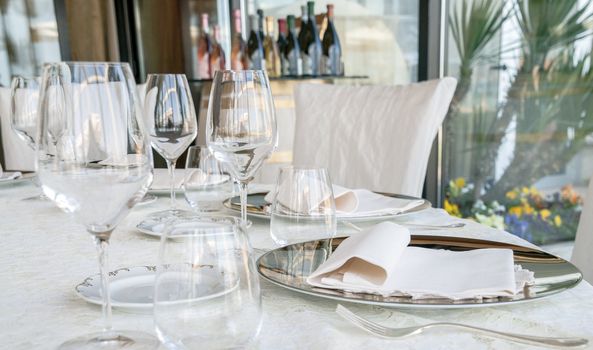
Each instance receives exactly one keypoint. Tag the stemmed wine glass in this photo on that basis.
(94, 162)
(24, 97)
(241, 127)
(170, 119)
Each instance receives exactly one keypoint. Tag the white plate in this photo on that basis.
(155, 228)
(132, 288)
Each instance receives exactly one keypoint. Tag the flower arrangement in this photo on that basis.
(525, 212)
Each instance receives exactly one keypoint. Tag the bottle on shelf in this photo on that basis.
(271, 54)
(239, 58)
(255, 49)
(310, 43)
(282, 42)
(331, 58)
(204, 49)
(303, 25)
(260, 24)
(292, 51)
(217, 57)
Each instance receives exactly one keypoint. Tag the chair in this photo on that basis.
(374, 137)
(17, 154)
(582, 254)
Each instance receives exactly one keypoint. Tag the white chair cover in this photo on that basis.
(582, 254)
(374, 137)
(17, 154)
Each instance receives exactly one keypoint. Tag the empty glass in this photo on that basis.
(241, 127)
(94, 162)
(205, 184)
(171, 122)
(303, 206)
(207, 293)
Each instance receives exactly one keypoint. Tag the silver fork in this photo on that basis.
(387, 332)
(412, 225)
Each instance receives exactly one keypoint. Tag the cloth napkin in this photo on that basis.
(161, 179)
(354, 203)
(8, 176)
(379, 261)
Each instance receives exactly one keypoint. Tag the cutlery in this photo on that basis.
(402, 332)
(412, 225)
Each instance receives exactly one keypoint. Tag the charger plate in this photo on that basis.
(290, 266)
(258, 207)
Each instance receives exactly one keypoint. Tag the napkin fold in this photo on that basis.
(379, 261)
(352, 203)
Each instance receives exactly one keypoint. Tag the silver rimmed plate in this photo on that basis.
(290, 266)
(132, 288)
(258, 207)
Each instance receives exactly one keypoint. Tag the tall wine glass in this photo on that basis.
(241, 128)
(171, 122)
(24, 98)
(94, 162)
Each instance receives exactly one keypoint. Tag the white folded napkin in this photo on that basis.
(354, 203)
(10, 175)
(161, 179)
(379, 261)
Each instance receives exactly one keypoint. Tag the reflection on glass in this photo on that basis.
(517, 139)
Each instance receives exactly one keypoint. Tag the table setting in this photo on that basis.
(203, 257)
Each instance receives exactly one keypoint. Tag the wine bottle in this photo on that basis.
(204, 49)
(310, 43)
(271, 54)
(331, 58)
(217, 59)
(281, 42)
(303, 25)
(239, 58)
(260, 24)
(255, 49)
(292, 51)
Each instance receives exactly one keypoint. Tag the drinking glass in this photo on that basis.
(94, 162)
(170, 119)
(241, 126)
(205, 184)
(207, 293)
(303, 206)
(24, 98)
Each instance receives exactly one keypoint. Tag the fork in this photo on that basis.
(387, 332)
(413, 225)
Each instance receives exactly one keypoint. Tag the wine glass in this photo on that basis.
(205, 183)
(24, 98)
(303, 206)
(241, 127)
(207, 293)
(170, 119)
(94, 162)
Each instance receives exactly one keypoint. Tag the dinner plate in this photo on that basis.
(290, 266)
(258, 207)
(155, 228)
(132, 288)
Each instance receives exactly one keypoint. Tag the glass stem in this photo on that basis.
(171, 168)
(102, 243)
(243, 195)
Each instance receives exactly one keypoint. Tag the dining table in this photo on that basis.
(45, 254)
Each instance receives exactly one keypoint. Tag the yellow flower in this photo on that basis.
(528, 209)
(517, 211)
(557, 221)
(512, 195)
(544, 213)
(459, 182)
(452, 209)
(525, 190)
(534, 192)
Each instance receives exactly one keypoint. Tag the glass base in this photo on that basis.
(39, 197)
(131, 340)
(171, 214)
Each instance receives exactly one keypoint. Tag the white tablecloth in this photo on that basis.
(44, 254)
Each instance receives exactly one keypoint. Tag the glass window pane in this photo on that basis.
(518, 143)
